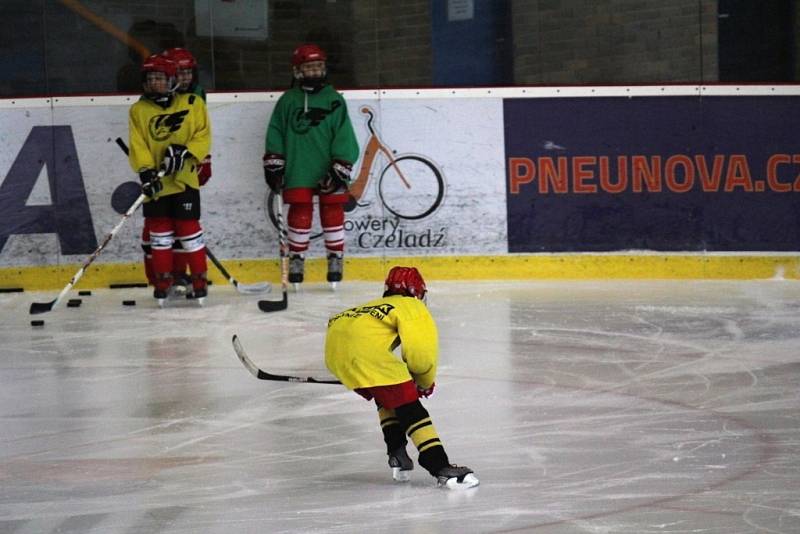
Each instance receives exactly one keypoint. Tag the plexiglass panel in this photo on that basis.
(67, 47)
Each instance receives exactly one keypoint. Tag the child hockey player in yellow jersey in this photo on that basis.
(358, 351)
(170, 132)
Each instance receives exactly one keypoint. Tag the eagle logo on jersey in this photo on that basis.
(303, 121)
(161, 126)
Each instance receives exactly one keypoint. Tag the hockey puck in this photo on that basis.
(85, 293)
(74, 303)
(129, 303)
(37, 322)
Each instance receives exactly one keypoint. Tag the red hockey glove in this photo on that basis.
(274, 167)
(204, 170)
(337, 180)
(426, 392)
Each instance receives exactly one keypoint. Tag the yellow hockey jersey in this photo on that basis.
(152, 129)
(360, 341)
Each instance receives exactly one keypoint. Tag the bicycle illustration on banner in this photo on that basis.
(409, 186)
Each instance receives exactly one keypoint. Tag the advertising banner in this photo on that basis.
(429, 180)
(687, 173)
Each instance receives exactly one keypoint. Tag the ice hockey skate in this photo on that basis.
(199, 289)
(401, 465)
(335, 268)
(161, 297)
(171, 296)
(456, 477)
(182, 287)
(198, 296)
(296, 270)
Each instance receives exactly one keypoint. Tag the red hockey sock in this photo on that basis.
(299, 219)
(161, 238)
(332, 218)
(180, 263)
(194, 250)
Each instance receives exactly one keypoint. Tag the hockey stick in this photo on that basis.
(283, 238)
(247, 289)
(41, 307)
(263, 375)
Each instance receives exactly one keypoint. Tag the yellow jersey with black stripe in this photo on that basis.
(153, 128)
(360, 342)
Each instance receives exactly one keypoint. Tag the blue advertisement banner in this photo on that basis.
(653, 173)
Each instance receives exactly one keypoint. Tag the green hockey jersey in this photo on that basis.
(311, 130)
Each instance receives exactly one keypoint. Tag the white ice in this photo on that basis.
(596, 407)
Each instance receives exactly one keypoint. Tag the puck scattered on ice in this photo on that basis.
(37, 322)
(129, 303)
(73, 303)
(85, 293)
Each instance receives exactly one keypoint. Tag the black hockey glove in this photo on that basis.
(174, 158)
(274, 167)
(337, 180)
(151, 183)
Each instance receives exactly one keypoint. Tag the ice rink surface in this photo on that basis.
(597, 407)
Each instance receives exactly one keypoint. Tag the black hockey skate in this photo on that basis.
(161, 296)
(296, 269)
(401, 464)
(335, 268)
(456, 477)
(181, 287)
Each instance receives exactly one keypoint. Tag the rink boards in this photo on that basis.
(589, 182)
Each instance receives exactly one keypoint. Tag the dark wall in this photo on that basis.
(48, 48)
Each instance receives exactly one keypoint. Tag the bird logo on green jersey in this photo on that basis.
(303, 121)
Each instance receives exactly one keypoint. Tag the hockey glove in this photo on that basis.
(174, 158)
(426, 392)
(274, 167)
(204, 170)
(338, 178)
(151, 183)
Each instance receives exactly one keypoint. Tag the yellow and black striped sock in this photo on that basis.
(419, 427)
(393, 433)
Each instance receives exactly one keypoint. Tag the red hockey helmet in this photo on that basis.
(182, 58)
(308, 52)
(405, 281)
(159, 63)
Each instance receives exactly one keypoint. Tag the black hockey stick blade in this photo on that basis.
(263, 375)
(41, 307)
(274, 305)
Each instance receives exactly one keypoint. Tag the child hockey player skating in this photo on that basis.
(358, 351)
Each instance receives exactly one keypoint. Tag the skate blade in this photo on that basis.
(162, 303)
(334, 285)
(400, 475)
(201, 301)
(469, 481)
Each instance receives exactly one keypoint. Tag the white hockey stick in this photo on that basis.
(41, 307)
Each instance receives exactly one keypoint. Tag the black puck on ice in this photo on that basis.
(74, 303)
(37, 322)
(85, 293)
(129, 303)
